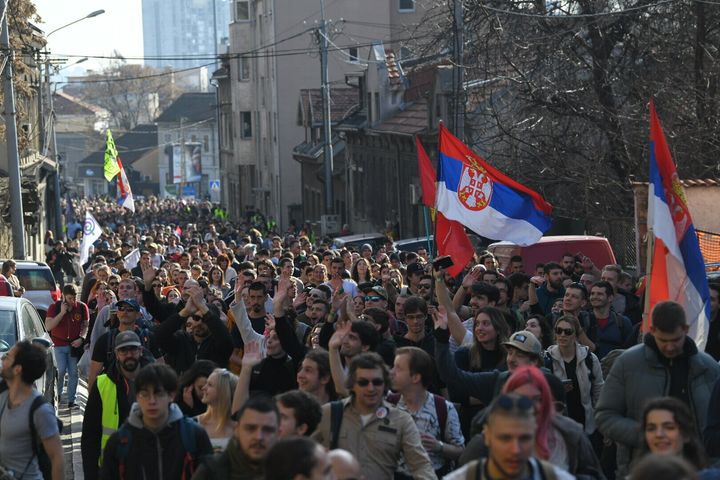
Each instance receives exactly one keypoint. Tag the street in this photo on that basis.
(72, 429)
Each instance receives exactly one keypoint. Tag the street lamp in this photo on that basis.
(89, 15)
(58, 209)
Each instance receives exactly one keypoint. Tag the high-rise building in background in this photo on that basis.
(193, 31)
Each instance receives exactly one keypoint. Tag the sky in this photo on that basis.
(119, 28)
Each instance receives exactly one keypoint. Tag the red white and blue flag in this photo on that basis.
(678, 268)
(485, 200)
(123, 185)
(450, 236)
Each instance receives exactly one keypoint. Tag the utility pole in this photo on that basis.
(52, 145)
(16, 204)
(459, 72)
(327, 145)
(182, 159)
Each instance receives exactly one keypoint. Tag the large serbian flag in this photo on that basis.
(678, 270)
(450, 236)
(484, 200)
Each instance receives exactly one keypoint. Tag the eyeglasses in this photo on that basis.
(509, 403)
(424, 286)
(564, 331)
(364, 382)
(147, 395)
(373, 298)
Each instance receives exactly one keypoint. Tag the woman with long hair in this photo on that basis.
(217, 394)
(229, 273)
(360, 271)
(579, 370)
(486, 352)
(558, 439)
(217, 280)
(668, 428)
(537, 325)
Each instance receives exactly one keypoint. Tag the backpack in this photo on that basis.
(187, 436)
(441, 409)
(476, 467)
(37, 446)
(588, 363)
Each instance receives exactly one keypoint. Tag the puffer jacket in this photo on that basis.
(638, 375)
(589, 393)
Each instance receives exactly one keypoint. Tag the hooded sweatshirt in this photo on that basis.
(155, 455)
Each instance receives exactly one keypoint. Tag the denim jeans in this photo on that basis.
(66, 363)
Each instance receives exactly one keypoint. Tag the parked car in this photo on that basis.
(552, 248)
(39, 283)
(375, 240)
(20, 320)
(413, 244)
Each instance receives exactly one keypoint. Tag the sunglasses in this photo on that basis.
(424, 286)
(156, 285)
(373, 299)
(364, 382)
(508, 403)
(564, 331)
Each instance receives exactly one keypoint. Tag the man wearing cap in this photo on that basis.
(414, 272)
(103, 354)
(67, 321)
(109, 401)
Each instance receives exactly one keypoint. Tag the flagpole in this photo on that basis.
(648, 270)
(427, 231)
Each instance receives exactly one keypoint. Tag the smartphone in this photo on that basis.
(442, 262)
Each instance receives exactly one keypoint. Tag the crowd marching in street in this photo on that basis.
(218, 350)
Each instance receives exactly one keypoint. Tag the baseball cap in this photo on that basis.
(128, 338)
(414, 268)
(131, 302)
(526, 342)
(380, 291)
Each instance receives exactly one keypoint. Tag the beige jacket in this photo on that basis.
(379, 444)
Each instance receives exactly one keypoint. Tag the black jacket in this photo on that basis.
(184, 350)
(92, 420)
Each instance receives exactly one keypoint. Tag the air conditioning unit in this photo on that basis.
(329, 224)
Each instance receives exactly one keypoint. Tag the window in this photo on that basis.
(245, 124)
(353, 53)
(243, 69)
(242, 10)
(406, 5)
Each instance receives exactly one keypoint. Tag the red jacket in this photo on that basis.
(73, 325)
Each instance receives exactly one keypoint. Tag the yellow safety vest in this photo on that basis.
(110, 414)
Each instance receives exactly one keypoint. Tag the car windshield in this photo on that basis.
(36, 279)
(8, 330)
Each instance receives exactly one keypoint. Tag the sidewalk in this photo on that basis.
(72, 430)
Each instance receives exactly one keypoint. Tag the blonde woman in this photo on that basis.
(217, 394)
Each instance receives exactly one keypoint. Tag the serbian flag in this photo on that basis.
(178, 232)
(126, 196)
(485, 200)
(450, 236)
(678, 270)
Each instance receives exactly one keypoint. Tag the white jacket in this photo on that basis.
(589, 394)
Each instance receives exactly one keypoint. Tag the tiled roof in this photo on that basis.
(66, 104)
(191, 107)
(343, 103)
(410, 121)
(131, 146)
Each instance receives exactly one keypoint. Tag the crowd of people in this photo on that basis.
(220, 350)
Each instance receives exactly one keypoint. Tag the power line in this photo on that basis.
(578, 15)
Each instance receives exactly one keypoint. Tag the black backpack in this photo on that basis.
(37, 445)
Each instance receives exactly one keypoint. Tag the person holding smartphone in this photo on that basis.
(67, 321)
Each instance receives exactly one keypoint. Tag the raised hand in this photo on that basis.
(149, 273)
(440, 318)
(270, 321)
(339, 335)
(473, 276)
(253, 354)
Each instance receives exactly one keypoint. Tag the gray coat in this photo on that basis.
(637, 376)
